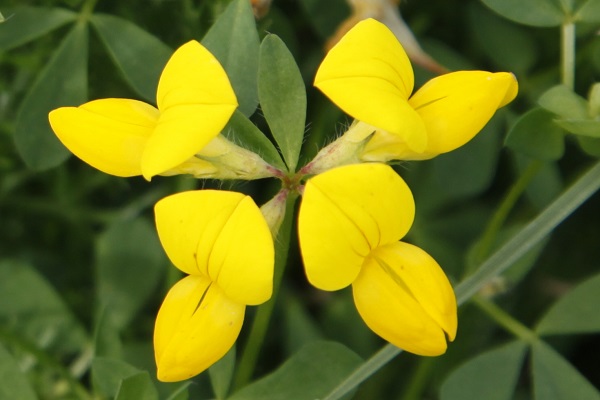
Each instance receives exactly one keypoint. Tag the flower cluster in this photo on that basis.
(354, 210)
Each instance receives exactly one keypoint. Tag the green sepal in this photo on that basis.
(241, 131)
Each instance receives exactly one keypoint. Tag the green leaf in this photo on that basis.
(554, 378)
(63, 82)
(529, 12)
(13, 382)
(282, 97)
(575, 312)
(491, 375)
(129, 265)
(137, 387)
(234, 41)
(221, 374)
(588, 12)
(490, 31)
(594, 100)
(24, 24)
(31, 307)
(107, 374)
(590, 145)
(564, 102)
(244, 133)
(309, 374)
(585, 127)
(139, 55)
(536, 135)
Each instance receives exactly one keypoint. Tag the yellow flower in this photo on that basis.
(349, 225)
(223, 242)
(126, 137)
(369, 76)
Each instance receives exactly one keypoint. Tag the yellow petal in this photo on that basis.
(221, 235)
(345, 213)
(196, 100)
(108, 134)
(456, 106)
(369, 76)
(403, 295)
(196, 325)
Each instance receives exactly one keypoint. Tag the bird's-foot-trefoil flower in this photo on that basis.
(125, 137)
(222, 241)
(369, 76)
(350, 224)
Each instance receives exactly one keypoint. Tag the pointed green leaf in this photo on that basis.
(575, 312)
(554, 378)
(491, 375)
(583, 127)
(234, 41)
(536, 135)
(141, 58)
(282, 97)
(24, 24)
(529, 12)
(589, 12)
(107, 374)
(221, 374)
(309, 374)
(129, 265)
(63, 82)
(13, 382)
(564, 102)
(137, 387)
(241, 131)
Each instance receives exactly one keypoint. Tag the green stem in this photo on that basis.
(256, 337)
(86, 10)
(491, 231)
(568, 54)
(505, 320)
(497, 263)
(47, 360)
(419, 380)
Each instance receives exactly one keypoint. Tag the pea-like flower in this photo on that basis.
(222, 241)
(125, 137)
(350, 222)
(369, 76)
